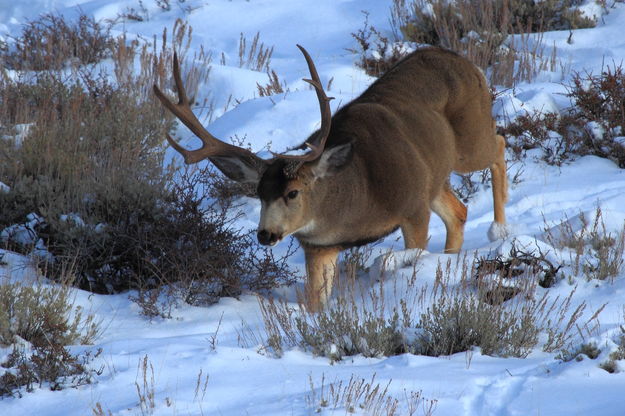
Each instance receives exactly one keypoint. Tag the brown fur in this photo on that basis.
(426, 117)
(386, 164)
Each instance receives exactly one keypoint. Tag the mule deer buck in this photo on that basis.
(382, 162)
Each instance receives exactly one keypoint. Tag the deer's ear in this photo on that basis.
(239, 169)
(333, 160)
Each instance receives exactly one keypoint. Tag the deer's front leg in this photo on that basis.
(321, 270)
(415, 228)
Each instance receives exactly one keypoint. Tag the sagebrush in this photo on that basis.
(37, 323)
(83, 153)
(461, 311)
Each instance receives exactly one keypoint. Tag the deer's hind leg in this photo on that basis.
(500, 190)
(454, 214)
(500, 181)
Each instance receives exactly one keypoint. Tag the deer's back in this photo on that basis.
(427, 116)
(441, 102)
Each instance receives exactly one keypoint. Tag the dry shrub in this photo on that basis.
(600, 97)
(611, 364)
(459, 312)
(606, 257)
(538, 131)
(84, 157)
(439, 22)
(465, 315)
(42, 314)
(590, 350)
(595, 252)
(520, 263)
(356, 322)
(190, 243)
(458, 323)
(197, 256)
(142, 12)
(475, 29)
(377, 52)
(38, 322)
(89, 166)
(600, 104)
(517, 275)
(52, 366)
(479, 30)
(595, 125)
(341, 330)
(466, 185)
(51, 42)
(222, 189)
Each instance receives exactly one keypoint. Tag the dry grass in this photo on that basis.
(147, 402)
(254, 55)
(462, 310)
(357, 322)
(145, 387)
(589, 350)
(41, 314)
(369, 397)
(272, 87)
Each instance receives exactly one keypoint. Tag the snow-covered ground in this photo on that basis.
(207, 342)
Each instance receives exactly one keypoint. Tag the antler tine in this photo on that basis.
(211, 146)
(317, 144)
(182, 92)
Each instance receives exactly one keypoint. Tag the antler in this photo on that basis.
(211, 146)
(317, 143)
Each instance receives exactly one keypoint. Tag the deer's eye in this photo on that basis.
(292, 194)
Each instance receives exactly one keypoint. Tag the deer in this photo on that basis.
(382, 162)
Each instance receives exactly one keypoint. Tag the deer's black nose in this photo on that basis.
(267, 238)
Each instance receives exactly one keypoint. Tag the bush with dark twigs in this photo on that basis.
(83, 154)
(594, 125)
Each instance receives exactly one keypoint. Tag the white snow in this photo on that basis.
(223, 341)
(499, 231)
(24, 234)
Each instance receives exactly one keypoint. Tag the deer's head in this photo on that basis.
(286, 184)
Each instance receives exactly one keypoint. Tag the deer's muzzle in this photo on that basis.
(268, 238)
